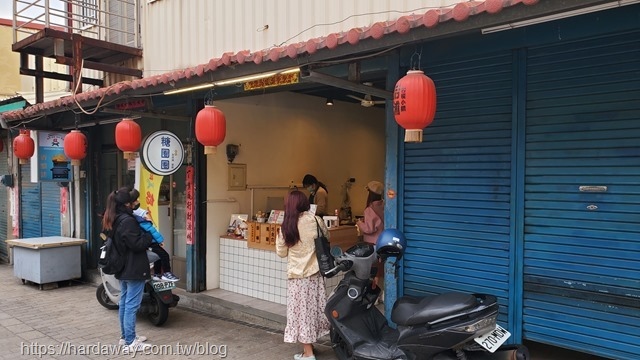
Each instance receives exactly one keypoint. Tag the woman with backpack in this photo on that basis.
(120, 224)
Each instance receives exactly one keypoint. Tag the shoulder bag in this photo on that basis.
(323, 253)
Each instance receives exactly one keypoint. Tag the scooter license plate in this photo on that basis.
(163, 285)
(492, 340)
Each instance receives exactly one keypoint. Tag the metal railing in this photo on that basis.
(114, 21)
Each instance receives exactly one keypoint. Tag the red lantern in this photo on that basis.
(75, 146)
(128, 137)
(211, 128)
(23, 146)
(414, 104)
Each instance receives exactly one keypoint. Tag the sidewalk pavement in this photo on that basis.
(68, 323)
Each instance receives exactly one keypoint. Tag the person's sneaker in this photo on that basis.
(168, 276)
(140, 338)
(135, 347)
(156, 277)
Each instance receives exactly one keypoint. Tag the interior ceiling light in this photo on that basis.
(329, 102)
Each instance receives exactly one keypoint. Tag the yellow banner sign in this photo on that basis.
(272, 81)
(149, 192)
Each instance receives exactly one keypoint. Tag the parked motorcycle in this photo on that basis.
(156, 299)
(450, 326)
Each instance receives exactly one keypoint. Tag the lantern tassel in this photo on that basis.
(210, 150)
(76, 162)
(23, 161)
(413, 136)
(129, 155)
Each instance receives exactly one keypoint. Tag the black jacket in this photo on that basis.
(132, 243)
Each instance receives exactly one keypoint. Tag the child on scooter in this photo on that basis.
(146, 223)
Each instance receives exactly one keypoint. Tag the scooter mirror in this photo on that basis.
(336, 251)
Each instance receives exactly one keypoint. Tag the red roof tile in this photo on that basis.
(404, 24)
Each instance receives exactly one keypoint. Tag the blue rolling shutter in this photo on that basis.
(40, 206)
(4, 207)
(457, 184)
(30, 211)
(582, 245)
(50, 197)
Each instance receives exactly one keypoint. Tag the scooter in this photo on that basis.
(156, 299)
(450, 326)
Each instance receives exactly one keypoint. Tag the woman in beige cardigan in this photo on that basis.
(306, 298)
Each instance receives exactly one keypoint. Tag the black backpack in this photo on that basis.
(111, 259)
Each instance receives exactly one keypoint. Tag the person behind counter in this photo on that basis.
(372, 224)
(319, 194)
(306, 297)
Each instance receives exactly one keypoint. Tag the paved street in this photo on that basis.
(68, 323)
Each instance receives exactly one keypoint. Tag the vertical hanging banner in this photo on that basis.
(190, 204)
(149, 190)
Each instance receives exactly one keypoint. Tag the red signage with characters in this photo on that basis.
(190, 186)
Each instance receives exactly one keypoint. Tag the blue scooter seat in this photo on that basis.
(409, 311)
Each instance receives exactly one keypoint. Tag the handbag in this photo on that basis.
(323, 253)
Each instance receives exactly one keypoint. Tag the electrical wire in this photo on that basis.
(99, 104)
(356, 15)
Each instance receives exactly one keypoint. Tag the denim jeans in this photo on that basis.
(130, 298)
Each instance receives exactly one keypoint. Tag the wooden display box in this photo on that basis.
(343, 236)
(262, 235)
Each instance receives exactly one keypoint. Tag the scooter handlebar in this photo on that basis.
(342, 266)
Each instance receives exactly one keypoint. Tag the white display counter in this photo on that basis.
(254, 272)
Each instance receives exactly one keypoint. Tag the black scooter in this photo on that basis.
(450, 326)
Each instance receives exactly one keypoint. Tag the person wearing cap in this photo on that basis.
(318, 194)
(372, 224)
(119, 223)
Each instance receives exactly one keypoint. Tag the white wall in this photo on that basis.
(195, 31)
(283, 136)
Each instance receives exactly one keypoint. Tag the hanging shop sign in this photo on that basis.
(272, 81)
(53, 164)
(162, 153)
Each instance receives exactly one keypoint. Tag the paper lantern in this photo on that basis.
(75, 146)
(128, 137)
(23, 146)
(414, 104)
(211, 128)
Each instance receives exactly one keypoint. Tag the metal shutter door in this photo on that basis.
(457, 184)
(30, 211)
(50, 198)
(4, 206)
(582, 249)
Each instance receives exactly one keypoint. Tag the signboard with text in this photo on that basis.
(53, 164)
(190, 205)
(162, 153)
